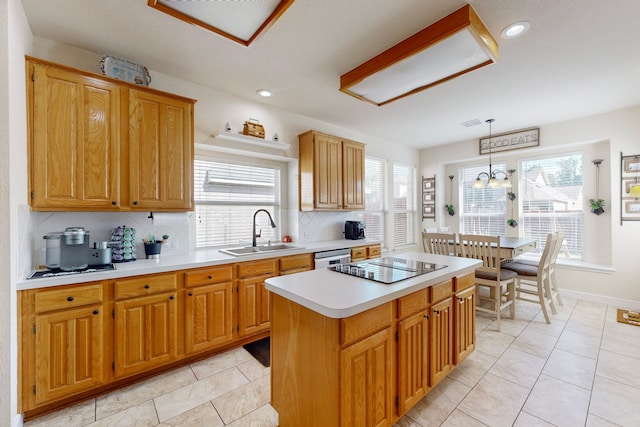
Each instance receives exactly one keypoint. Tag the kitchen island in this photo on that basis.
(347, 351)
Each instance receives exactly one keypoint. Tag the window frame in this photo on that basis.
(411, 211)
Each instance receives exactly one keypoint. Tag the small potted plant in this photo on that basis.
(511, 195)
(512, 222)
(152, 246)
(450, 209)
(597, 206)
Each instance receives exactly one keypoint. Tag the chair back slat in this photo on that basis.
(439, 243)
(549, 249)
(485, 248)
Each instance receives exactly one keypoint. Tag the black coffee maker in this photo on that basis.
(354, 230)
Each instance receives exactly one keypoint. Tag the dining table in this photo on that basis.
(511, 247)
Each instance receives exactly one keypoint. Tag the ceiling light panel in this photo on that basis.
(455, 45)
(240, 21)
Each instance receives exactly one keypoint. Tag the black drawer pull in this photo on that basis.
(95, 312)
(70, 299)
(114, 202)
(147, 286)
(436, 312)
(210, 277)
(135, 203)
(427, 317)
(190, 294)
(172, 297)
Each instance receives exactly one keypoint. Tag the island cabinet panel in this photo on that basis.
(441, 340)
(465, 317)
(413, 360)
(366, 381)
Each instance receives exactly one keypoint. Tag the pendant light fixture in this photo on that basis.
(492, 180)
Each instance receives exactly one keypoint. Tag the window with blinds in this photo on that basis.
(375, 171)
(483, 210)
(226, 197)
(551, 200)
(404, 205)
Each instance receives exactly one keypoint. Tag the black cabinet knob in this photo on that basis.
(190, 294)
(135, 202)
(70, 299)
(209, 277)
(427, 317)
(172, 297)
(147, 286)
(95, 312)
(113, 202)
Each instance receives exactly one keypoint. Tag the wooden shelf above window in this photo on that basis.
(251, 140)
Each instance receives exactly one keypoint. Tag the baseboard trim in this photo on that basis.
(617, 302)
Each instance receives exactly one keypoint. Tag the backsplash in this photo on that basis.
(319, 226)
(101, 224)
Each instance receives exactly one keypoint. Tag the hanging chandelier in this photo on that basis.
(492, 180)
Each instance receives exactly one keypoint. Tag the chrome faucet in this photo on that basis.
(273, 225)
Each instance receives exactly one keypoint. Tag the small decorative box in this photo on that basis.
(122, 69)
(252, 127)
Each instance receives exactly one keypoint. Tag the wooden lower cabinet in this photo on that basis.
(146, 334)
(413, 358)
(441, 341)
(253, 297)
(361, 253)
(465, 327)
(208, 308)
(365, 381)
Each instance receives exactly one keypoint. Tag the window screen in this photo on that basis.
(483, 209)
(404, 205)
(551, 200)
(227, 195)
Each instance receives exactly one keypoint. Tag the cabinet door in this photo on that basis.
(253, 305)
(353, 175)
(441, 341)
(75, 141)
(161, 152)
(327, 171)
(208, 321)
(145, 333)
(365, 382)
(465, 324)
(69, 355)
(413, 358)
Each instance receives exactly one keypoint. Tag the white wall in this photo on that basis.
(607, 242)
(13, 194)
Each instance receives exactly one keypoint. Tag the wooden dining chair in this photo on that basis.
(554, 291)
(440, 243)
(535, 280)
(501, 283)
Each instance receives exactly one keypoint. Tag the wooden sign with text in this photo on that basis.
(511, 141)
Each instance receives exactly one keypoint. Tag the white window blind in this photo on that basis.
(227, 195)
(483, 209)
(551, 200)
(374, 196)
(404, 204)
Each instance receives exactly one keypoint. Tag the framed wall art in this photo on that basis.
(429, 198)
(629, 181)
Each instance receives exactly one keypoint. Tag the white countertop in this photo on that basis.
(195, 259)
(338, 295)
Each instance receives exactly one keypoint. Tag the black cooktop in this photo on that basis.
(387, 270)
(92, 268)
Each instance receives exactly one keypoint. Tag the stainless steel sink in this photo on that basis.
(250, 250)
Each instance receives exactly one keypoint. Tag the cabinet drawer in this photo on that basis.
(374, 251)
(440, 291)
(464, 282)
(295, 262)
(363, 324)
(257, 268)
(68, 297)
(208, 276)
(144, 286)
(412, 303)
(358, 253)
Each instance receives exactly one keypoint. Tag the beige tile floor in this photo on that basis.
(582, 370)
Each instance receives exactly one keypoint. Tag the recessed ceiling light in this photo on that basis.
(264, 92)
(516, 29)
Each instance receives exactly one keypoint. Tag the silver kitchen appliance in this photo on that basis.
(327, 258)
(69, 250)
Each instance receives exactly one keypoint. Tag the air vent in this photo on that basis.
(469, 123)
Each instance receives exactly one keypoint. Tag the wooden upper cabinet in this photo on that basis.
(161, 152)
(74, 125)
(97, 143)
(353, 175)
(331, 173)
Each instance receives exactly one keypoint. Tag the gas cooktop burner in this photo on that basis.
(387, 270)
(54, 273)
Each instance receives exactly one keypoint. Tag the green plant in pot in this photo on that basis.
(450, 209)
(512, 222)
(153, 246)
(597, 206)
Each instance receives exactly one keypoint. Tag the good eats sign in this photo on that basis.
(511, 141)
